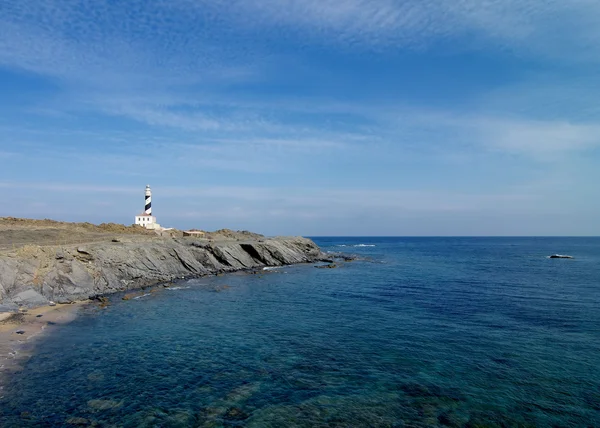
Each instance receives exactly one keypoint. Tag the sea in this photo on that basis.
(418, 332)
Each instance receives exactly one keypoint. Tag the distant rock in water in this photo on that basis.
(560, 256)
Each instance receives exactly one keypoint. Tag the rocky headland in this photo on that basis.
(43, 262)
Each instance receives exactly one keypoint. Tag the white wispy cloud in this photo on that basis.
(546, 27)
(113, 47)
(67, 187)
(544, 139)
(324, 201)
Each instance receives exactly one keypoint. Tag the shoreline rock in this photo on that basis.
(73, 273)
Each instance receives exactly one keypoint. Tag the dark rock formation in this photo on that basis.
(560, 256)
(42, 275)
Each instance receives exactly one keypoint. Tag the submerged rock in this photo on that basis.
(103, 301)
(560, 256)
(77, 421)
(104, 404)
(235, 414)
(329, 266)
(96, 376)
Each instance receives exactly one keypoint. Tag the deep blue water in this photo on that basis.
(425, 332)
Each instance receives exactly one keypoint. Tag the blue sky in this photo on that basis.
(313, 117)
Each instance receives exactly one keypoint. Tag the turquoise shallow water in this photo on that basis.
(425, 332)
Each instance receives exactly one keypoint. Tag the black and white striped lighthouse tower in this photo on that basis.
(146, 219)
(148, 201)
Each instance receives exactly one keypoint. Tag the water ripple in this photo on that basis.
(438, 332)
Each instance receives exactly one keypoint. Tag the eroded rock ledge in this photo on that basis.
(35, 276)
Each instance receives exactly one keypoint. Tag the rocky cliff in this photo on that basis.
(35, 276)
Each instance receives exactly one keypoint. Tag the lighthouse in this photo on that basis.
(146, 219)
(148, 201)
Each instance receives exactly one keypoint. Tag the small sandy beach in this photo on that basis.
(18, 332)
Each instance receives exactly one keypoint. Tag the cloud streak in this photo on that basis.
(289, 199)
(538, 139)
(531, 26)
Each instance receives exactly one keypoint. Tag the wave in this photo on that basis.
(143, 295)
(356, 245)
(177, 288)
(273, 267)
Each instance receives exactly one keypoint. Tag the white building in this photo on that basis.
(149, 222)
(146, 219)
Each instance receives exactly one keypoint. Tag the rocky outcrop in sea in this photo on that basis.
(36, 276)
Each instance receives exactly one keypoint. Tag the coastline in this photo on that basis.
(37, 276)
(17, 348)
(34, 323)
(44, 284)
